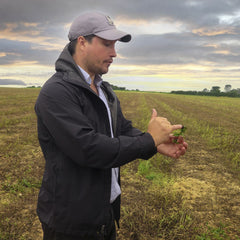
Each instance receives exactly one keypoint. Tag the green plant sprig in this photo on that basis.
(179, 132)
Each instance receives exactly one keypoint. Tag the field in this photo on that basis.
(196, 197)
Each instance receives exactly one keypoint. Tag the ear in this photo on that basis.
(81, 42)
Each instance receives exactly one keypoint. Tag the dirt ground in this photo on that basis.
(208, 187)
(210, 190)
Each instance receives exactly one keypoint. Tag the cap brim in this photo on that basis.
(114, 35)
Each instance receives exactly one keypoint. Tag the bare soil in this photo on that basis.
(209, 188)
(204, 183)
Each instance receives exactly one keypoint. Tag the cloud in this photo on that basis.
(51, 37)
(16, 52)
(60, 11)
(181, 48)
(12, 82)
(194, 35)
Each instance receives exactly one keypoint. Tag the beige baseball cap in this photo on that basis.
(98, 24)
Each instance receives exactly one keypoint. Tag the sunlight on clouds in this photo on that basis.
(219, 49)
(67, 26)
(29, 35)
(231, 42)
(224, 52)
(129, 69)
(11, 30)
(229, 19)
(119, 56)
(23, 66)
(165, 77)
(172, 77)
(211, 45)
(193, 3)
(30, 24)
(194, 67)
(140, 26)
(29, 72)
(214, 31)
(161, 70)
(156, 83)
(3, 54)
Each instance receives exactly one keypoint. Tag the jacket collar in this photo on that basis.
(98, 80)
(70, 70)
(72, 73)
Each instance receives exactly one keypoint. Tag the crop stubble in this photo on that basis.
(204, 176)
(163, 199)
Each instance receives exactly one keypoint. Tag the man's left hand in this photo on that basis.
(171, 149)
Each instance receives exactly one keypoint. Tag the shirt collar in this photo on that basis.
(98, 80)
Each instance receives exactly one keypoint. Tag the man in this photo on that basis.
(85, 137)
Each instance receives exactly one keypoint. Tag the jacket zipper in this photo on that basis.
(103, 232)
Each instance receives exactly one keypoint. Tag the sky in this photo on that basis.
(176, 44)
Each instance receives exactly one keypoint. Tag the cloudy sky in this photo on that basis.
(176, 45)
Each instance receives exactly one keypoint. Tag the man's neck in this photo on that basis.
(81, 65)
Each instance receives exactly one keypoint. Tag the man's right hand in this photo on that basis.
(160, 128)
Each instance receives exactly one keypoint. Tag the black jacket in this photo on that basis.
(73, 131)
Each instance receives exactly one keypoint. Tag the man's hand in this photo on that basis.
(160, 128)
(171, 149)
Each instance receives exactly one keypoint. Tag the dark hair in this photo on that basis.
(72, 44)
(89, 37)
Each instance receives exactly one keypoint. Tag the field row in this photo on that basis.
(209, 191)
(151, 208)
(210, 119)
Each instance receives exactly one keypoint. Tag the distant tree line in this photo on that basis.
(34, 87)
(215, 91)
(122, 88)
(118, 88)
(113, 87)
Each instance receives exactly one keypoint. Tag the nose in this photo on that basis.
(113, 53)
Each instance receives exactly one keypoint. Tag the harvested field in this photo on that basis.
(196, 197)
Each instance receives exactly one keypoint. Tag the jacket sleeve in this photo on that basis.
(126, 127)
(75, 137)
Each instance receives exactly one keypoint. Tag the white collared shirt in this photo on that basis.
(115, 188)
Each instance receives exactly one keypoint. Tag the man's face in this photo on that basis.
(99, 54)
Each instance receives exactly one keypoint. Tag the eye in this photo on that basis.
(107, 43)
